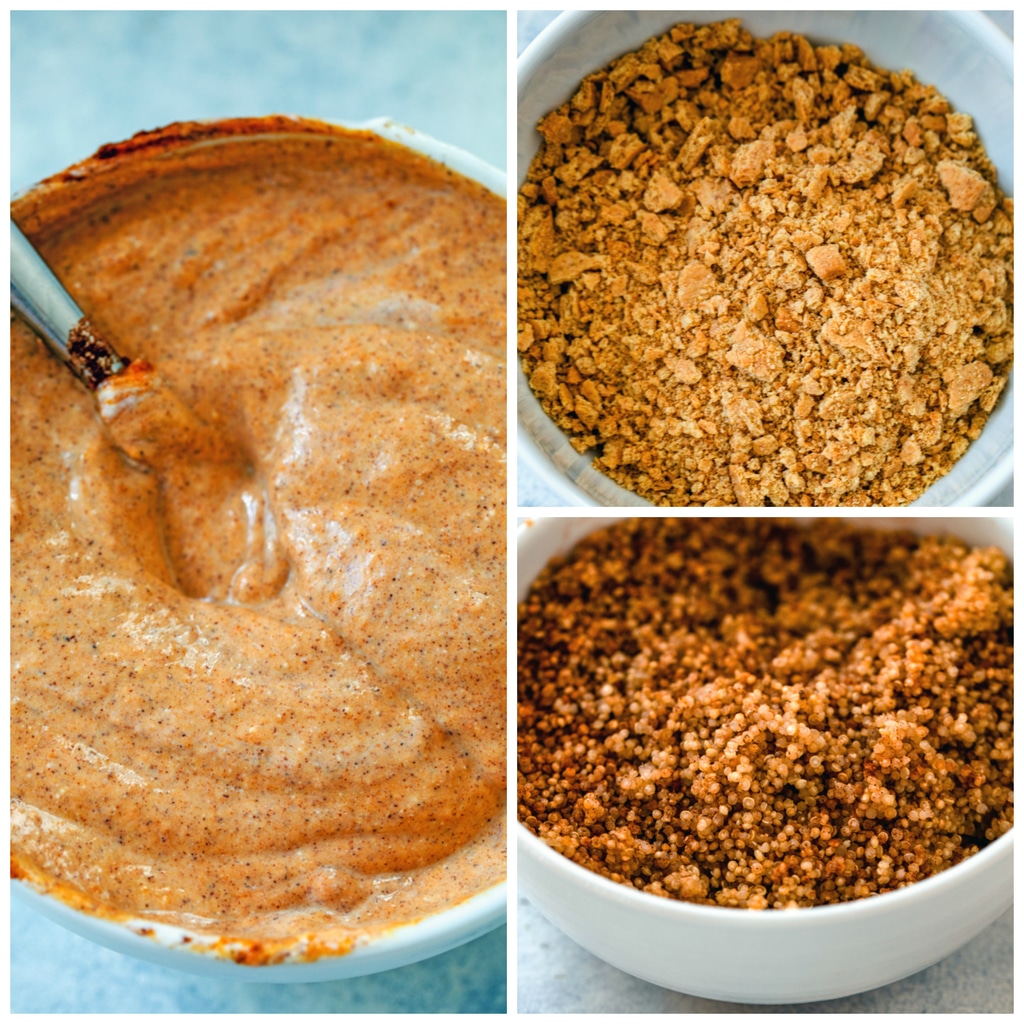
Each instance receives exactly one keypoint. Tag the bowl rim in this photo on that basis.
(532, 847)
(547, 40)
(181, 136)
(395, 946)
(544, 466)
(194, 952)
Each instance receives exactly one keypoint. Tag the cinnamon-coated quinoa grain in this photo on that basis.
(750, 713)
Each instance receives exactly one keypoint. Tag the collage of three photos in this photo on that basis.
(422, 603)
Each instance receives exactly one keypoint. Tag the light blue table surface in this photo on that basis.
(82, 79)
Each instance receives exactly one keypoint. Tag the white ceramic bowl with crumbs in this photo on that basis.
(436, 928)
(771, 956)
(963, 54)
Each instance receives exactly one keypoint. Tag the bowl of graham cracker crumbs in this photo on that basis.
(762, 760)
(762, 264)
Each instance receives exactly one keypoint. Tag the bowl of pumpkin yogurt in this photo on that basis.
(265, 737)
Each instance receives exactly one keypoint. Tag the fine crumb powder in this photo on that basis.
(761, 272)
(753, 714)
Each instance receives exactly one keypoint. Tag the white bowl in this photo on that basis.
(177, 948)
(774, 956)
(405, 943)
(962, 53)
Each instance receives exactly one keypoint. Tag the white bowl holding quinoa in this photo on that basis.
(728, 951)
(969, 61)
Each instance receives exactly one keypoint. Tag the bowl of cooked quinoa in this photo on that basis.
(766, 760)
(760, 263)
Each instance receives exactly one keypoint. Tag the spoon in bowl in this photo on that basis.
(204, 477)
(44, 304)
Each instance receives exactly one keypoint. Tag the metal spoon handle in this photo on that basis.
(43, 303)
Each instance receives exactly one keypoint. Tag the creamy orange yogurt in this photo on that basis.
(282, 713)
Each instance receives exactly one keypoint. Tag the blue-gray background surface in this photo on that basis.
(81, 79)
